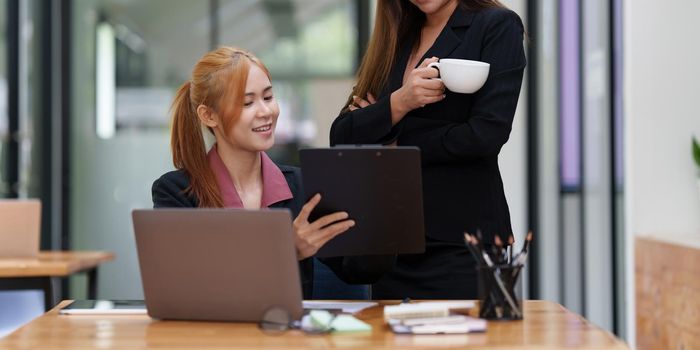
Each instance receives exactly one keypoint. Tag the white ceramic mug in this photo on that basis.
(462, 76)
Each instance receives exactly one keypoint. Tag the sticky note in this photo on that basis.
(320, 319)
(348, 323)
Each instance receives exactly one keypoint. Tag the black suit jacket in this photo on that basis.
(461, 136)
(169, 192)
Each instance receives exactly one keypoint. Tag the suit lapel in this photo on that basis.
(448, 40)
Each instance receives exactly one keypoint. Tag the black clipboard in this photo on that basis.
(380, 188)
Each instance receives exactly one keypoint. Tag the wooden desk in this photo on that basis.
(39, 272)
(546, 326)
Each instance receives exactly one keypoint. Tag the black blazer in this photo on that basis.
(459, 137)
(168, 192)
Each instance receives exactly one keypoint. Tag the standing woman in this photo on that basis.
(230, 94)
(398, 101)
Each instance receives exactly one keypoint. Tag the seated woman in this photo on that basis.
(230, 93)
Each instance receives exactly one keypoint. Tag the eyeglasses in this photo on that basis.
(277, 320)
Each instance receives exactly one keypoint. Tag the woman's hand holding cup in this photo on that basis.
(420, 88)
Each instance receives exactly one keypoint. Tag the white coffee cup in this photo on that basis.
(462, 76)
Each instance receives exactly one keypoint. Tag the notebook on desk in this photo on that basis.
(217, 264)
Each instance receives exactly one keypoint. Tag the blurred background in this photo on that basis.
(599, 150)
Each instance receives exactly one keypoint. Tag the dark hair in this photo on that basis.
(395, 22)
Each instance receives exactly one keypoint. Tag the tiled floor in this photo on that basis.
(18, 308)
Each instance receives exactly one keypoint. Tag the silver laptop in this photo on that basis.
(20, 224)
(217, 264)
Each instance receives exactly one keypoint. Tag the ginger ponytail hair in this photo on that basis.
(218, 81)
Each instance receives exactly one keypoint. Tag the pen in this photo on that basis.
(500, 257)
(470, 242)
(478, 239)
(522, 256)
(511, 241)
(499, 249)
(487, 259)
(483, 248)
(527, 241)
(484, 254)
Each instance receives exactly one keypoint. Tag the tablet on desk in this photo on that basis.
(379, 187)
(104, 307)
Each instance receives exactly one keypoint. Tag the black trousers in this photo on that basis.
(445, 271)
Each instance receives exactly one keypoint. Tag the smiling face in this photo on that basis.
(253, 129)
(431, 6)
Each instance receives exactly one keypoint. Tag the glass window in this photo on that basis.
(310, 49)
(4, 135)
(140, 52)
(128, 59)
(120, 126)
(21, 305)
(25, 160)
(570, 139)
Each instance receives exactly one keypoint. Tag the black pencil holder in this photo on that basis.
(497, 291)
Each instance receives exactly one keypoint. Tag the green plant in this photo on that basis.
(696, 152)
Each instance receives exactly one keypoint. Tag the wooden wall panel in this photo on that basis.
(667, 290)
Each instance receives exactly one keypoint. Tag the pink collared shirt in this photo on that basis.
(275, 187)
